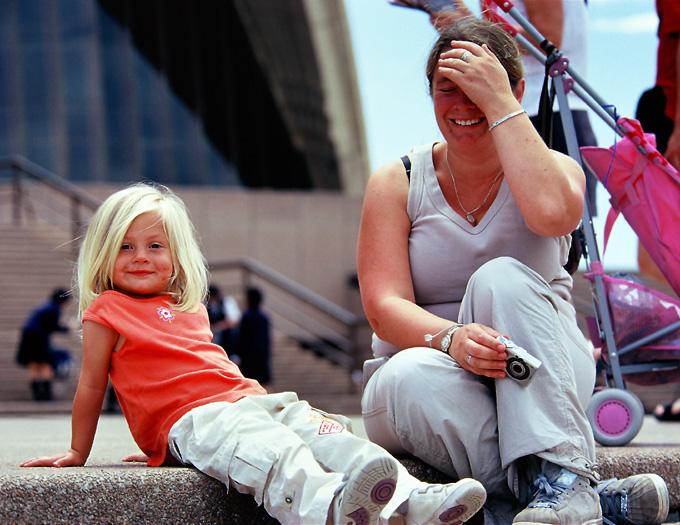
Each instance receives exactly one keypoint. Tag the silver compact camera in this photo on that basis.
(521, 365)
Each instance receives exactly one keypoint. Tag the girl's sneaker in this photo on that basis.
(368, 489)
(445, 504)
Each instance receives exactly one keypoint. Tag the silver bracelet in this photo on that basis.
(446, 340)
(507, 117)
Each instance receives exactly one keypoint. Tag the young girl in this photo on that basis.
(142, 278)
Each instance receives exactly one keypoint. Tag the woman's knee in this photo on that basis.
(501, 271)
(504, 280)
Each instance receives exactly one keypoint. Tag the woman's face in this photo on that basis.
(457, 116)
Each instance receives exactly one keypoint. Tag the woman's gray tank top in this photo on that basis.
(445, 250)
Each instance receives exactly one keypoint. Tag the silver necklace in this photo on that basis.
(468, 214)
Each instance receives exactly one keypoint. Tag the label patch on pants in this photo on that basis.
(327, 426)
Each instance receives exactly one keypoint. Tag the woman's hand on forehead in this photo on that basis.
(477, 71)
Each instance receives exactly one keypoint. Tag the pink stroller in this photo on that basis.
(637, 328)
(645, 323)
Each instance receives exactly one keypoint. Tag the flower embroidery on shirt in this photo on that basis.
(165, 314)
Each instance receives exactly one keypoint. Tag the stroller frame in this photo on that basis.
(615, 414)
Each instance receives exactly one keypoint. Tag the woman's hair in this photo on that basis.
(104, 237)
(479, 31)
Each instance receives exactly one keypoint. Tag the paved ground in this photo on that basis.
(32, 435)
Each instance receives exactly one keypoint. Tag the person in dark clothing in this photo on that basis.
(35, 350)
(253, 344)
(224, 316)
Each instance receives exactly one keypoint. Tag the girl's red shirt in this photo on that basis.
(166, 366)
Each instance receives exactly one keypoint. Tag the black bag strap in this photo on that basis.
(407, 165)
(545, 111)
(545, 106)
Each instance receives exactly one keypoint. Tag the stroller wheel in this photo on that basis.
(615, 416)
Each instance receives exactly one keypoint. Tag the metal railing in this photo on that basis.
(29, 198)
(302, 315)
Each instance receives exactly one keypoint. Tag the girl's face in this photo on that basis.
(143, 267)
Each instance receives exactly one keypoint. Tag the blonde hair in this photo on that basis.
(94, 270)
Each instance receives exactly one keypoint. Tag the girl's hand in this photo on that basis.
(479, 73)
(476, 349)
(69, 459)
(137, 457)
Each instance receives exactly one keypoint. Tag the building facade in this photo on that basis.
(235, 93)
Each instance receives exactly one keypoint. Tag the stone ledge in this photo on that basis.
(140, 494)
(127, 494)
(621, 462)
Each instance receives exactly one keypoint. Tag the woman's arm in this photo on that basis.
(382, 258)
(98, 343)
(549, 187)
(562, 210)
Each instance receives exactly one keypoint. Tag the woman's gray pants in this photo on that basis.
(422, 402)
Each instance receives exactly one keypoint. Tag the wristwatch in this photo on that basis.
(447, 338)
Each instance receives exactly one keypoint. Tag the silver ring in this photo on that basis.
(464, 56)
(468, 359)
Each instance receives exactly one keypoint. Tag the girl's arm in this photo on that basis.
(98, 343)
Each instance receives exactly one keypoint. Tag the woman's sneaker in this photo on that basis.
(561, 497)
(637, 500)
(368, 489)
(445, 504)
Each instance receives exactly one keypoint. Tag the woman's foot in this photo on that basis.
(561, 496)
(669, 412)
(636, 500)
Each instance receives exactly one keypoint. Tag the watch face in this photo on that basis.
(446, 341)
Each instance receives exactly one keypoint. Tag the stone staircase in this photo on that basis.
(323, 384)
(109, 491)
(34, 261)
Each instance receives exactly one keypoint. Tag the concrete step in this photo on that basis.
(107, 491)
(138, 494)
